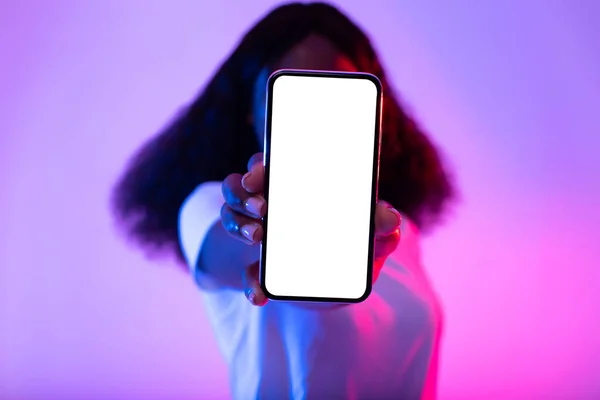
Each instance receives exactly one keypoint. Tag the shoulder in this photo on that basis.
(197, 214)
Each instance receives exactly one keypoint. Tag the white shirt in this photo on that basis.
(383, 348)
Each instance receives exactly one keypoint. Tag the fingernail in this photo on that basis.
(397, 215)
(249, 231)
(254, 206)
(250, 295)
(245, 177)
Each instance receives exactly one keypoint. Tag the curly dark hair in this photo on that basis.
(212, 137)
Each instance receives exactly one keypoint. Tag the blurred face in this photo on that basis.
(314, 53)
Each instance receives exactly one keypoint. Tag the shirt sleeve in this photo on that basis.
(201, 210)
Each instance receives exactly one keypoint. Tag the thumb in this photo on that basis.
(387, 219)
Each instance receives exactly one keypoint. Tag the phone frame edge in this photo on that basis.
(374, 191)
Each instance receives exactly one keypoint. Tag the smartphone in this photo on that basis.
(321, 158)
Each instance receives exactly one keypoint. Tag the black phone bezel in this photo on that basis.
(374, 190)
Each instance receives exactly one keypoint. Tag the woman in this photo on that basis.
(184, 192)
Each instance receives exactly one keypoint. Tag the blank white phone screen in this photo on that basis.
(320, 186)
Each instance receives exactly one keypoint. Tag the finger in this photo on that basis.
(385, 245)
(252, 288)
(255, 159)
(240, 226)
(240, 200)
(253, 181)
(387, 219)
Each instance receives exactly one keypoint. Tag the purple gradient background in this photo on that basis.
(509, 88)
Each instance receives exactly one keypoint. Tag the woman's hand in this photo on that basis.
(245, 206)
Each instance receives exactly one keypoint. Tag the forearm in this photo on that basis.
(223, 258)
